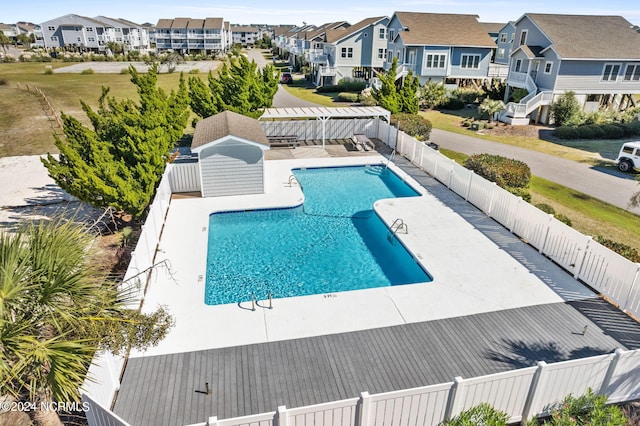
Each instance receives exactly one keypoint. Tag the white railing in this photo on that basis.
(528, 104)
(103, 376)
(522, 394)
(327, 71)
(522, 79)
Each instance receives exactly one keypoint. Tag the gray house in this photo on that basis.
(596, 57)
(230, 150)
(449, 48)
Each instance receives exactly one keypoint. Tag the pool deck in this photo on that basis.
(472, 273)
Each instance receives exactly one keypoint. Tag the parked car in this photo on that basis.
(629, 157)
(286, 78)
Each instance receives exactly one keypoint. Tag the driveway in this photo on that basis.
(607, 185)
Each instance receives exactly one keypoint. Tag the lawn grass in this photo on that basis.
(26, 128)
(588, 215)
(301, 89)
(594, 152)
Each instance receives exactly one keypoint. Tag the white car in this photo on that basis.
(629, 157)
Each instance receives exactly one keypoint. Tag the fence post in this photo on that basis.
(493, 192)
(531, 396)
(365, 409)
(612, 369)
(546, 235)
(213, 421)
(515, 215)
(636, 278)
(283, 418)
(452, 163)
(466, 197)
(455, 396)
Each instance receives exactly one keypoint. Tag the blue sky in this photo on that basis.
(296, 12)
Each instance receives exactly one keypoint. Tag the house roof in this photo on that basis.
(532, 51)
(333, 36)
(195, 23)
(164, 23)
(180, 22)
(228, 123)
(213, 23)
(492, 27)
(241, 29)
(588, 36)
(443, 29)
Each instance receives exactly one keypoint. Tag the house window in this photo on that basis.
(89, 28)
(91, 39)
(346, 52)
(391, 35)
(547, 67)
(500, 53)
(382, 53)
(389, 56)
(470, 61)
(79, 39)
(632, 73)
(503, 37)
(523, 37)
(51, 28)
(610, 72)
(517, 65)
(54, 38)
(382, 33)
(435, 61)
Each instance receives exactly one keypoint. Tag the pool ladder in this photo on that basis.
(293, 178)
(390, 159)
(398, 225)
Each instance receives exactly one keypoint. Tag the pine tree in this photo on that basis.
(119, 162)
(387, 96)
(409, 101)
(239, 87)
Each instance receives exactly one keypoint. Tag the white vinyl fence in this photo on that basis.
(602, 269)
(522, 394)
(334, 128)
(103, 377)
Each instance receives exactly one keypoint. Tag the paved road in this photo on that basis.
(282, 99)
(608, 185)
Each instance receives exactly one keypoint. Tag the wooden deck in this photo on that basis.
(163, 390)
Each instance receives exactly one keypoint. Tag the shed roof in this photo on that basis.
(228, 123)
(443, 29)
(589, 36)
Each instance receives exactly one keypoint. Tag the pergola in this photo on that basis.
(324, 114)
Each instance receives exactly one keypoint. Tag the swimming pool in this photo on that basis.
(333, 242)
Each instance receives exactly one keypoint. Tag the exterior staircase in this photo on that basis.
(518, 113)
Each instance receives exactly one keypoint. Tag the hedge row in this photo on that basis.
(344, 85)
(413, 124)
(598, 131)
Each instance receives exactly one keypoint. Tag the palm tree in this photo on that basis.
(4, 41)
(491, 106)
(55, 310)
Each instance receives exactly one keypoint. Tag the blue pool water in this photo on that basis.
(334, 242)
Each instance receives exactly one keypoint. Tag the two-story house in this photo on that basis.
(245, 36)
(449, 48)
(357, 51)
(132, 36)
(498, 68)
(596, 57)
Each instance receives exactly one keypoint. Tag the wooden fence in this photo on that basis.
(46, 105)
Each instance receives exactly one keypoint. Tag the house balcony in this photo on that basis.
(178, 45)
(195, 36)
(521, 80)
(327, 71)
(316, 56)
(498, 71)
(213, 46)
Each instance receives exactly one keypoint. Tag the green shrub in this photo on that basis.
(564, 219)
(588, 409)
(468, 95)
(348, 97)
(518, 94)
(452, 104)
(413, 124)
(87, 71)
(329, 88)
(477, 125)
(612, 131)
(565, 108)
(566, 132)
(631, 128)
(622, 249)
(520, 192)
(505, 172)
(546, 208)
(345, 85)
(194, 71)
(124, 71)
(48, 70)
(481, 415)
(586, 132)
(597, 131)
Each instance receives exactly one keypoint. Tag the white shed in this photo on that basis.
(230, 150)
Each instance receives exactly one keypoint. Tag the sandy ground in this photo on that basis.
(30, 194)
(117, 67)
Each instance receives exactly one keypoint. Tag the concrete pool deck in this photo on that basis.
(471, 274)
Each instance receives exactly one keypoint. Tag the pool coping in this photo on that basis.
(471, 274)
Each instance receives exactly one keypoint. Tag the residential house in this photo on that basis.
(245, 36)
(227, 35)
(499, 66)
(504, 44)
(90, 34)
(358, 51)
(187, 35)
(9, 30)
(449, 48)
(596, 57)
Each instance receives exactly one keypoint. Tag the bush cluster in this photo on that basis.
(622, 249)
(598, 131)
(344, 85)
(348, 97)
(468, 95)
(512, 175)
(413, 124)
(559, 216)
(453, 104)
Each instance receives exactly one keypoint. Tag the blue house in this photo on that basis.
(449, 48)
(596, 57)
